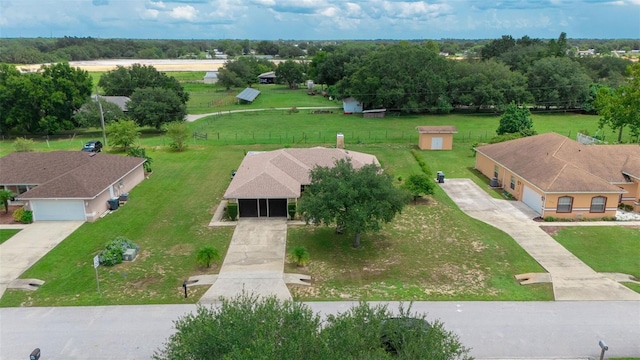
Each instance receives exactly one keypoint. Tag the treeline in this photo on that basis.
(41, 50)
(416, 78)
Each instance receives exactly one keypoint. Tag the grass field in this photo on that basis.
(6, 234)
(604, 248)
(430, 252)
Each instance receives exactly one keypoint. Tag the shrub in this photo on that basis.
(551, 219)
(291, 207)
(23, 216)
(300, 256)
(232, 211)
(206, 255)
(504, 137)
(179, 133)
(114, 250)
(23, 145)
(141, 153)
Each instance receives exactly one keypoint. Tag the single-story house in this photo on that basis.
(561, 178)
(211, 77)
(266, 182)
(68, 185)
(436, 137)
(268, 77)
(351, 105)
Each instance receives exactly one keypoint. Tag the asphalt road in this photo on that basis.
(492, 329)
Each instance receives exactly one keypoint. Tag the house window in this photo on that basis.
(513, 183)
(495, 171)
(565, 204)
(598, 204)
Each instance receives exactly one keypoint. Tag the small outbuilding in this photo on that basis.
(247, 95)
(436, 137)
(267, 78)
(211, 77)
(351, 105)
(374, 113)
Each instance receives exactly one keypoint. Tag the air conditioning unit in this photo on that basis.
(130, 254)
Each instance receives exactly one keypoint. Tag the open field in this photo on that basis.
(431, 251)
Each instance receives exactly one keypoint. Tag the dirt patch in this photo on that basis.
(182, 249)
(552, 230)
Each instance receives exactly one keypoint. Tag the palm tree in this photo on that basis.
(5, 196)
(206, 255)
(300, 256)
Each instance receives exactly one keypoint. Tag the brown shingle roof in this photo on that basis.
(280, 173)
(65, 174)
(437, 129)
(555, 163)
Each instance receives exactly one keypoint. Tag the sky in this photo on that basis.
(320, 19)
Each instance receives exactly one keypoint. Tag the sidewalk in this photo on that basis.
(571, 278)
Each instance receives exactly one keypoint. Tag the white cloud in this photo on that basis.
(186, 12)
(156, 5)
(150, 14)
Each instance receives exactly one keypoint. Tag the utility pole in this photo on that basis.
(104, 134)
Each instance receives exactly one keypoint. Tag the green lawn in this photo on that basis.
(604, 248)
(6, 234)
(432, 251)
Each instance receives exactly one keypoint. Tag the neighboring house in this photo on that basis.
(267, 78)
(68, 185)
(351, 106)
(561, 178)
(267, 181)
(436, 137)
(121, 101)
(211, 77)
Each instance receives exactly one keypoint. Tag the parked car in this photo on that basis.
(92, 146)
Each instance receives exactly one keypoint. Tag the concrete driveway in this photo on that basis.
(29, 245)
(572, 279)
(254, 262)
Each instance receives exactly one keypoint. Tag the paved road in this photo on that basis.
(492, 329)
(572, 279)
(194, 117)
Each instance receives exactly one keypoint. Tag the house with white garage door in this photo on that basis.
(561, 178)
(68, 185)
(266, 182)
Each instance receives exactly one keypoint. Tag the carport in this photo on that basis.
(262, 207)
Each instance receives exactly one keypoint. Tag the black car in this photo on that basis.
(92, 146)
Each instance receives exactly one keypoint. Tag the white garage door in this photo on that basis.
(532, 199)
(47, 210)
(436, 143)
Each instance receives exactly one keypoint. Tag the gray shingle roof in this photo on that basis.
(121, 101)
(248, 94)
(65, 174)
(555, 163)
(280, 173)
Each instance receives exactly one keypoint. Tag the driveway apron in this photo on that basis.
(254, 262)
(29, 245)
(572, 279)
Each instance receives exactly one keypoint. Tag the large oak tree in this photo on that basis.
(355, 200)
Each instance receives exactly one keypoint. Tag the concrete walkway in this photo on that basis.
(254, 262)
(29, 245)
(572, 279)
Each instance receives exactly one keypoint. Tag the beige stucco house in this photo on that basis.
(266, 182)
(68, 185)
(561, 178)
(436, 137)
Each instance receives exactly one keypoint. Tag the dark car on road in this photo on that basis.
(92, 146)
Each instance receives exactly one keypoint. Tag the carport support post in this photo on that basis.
(184, 285)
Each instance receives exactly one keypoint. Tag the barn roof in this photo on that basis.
(248, 94)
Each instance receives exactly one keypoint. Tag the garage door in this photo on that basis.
(56, 210)
(262, 207)
(436, 143)
(532, 199)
